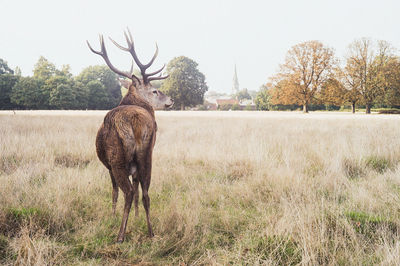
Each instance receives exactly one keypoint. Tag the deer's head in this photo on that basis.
(137, 86)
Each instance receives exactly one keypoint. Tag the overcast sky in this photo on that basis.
(215, 33)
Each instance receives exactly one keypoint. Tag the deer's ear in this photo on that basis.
(125, 83)
(135, 83)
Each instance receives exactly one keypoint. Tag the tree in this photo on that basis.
(332, 92)
(186, 84)
(27, 93)
(262, 99)
(242, 95)
(65, 71)
(59, 90)
(81, 95)
(99, 98)
(43, 69)
(349, 89)
(392, 82)
(307, 67)
(7, 82)
(62, 97)
(107, 78)
(366, 68)
(4, 68)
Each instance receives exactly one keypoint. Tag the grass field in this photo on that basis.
(276, 188)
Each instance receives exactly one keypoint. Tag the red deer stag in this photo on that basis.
(125, 140)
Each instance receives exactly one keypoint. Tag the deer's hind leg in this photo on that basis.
(114, 192)
(144, 179)
(121, 176)
(135, 183)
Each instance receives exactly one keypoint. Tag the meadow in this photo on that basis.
(271, 188)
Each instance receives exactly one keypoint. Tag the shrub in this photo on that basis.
(235, 107)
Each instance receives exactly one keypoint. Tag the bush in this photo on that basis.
(235, 107)
(249, 107)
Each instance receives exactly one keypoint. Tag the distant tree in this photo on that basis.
(98, 96)
(81, 95)
(107, 78)
(392, 83)
(333, 93)
(186, 84)
(7, 82)
(65, 71)
(4, 68)
(262, 99)
(242, 95)
(349, 89)
(366, 66)
(60, 92)
(252, 93)
(43, 69)
(307, 66)
(27, 93)
(62, 97)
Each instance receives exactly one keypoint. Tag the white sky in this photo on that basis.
(215, 33)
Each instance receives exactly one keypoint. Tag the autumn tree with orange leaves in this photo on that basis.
(307, 67)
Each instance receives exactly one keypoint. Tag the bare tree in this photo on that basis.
(125, 140)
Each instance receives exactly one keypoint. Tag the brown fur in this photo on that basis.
(124, 144)
(125, 140)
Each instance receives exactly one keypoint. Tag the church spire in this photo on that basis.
(235, 87)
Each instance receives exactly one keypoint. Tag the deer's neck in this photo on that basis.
(134, 99)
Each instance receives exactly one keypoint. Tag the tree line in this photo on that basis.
(52, 88)
(311, 76)
(95, 88)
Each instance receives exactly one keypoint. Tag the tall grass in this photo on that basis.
(227, 188)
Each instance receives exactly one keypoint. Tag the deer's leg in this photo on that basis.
(114, 192)
(135, 183)
(144, 178)
(146, 204)
(122, 179)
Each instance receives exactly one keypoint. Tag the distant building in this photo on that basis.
(235, 86)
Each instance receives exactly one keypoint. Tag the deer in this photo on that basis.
(126, 138)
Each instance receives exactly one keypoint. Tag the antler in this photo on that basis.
(103, 53)
(131, 49)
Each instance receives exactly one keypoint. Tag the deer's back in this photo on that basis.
(125, 131)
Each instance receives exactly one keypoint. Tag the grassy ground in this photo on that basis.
(227, 188)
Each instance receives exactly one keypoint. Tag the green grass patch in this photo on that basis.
(368, 224)
(15, 218)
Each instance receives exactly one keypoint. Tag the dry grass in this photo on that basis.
(227, 188)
